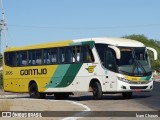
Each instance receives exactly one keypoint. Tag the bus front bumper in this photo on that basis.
(127, 87)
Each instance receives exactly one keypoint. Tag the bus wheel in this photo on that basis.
(61, 96)
(33, 92)
(127, 95)
(97, 90)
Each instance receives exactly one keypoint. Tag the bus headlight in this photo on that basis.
(134, 82)
(123, 79)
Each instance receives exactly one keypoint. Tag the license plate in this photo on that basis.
(138, 90)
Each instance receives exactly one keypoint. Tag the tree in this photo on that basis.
(149, 43)
(1, 59)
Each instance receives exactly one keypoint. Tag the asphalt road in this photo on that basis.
(148, 99)
(141, 101)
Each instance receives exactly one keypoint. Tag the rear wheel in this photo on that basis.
(33, 92)
(97, 90)
(127, 95)
(61, 96)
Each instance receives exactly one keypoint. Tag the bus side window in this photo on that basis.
(78, 54)
(111, 60)
(22, 58)
(38, 59)
(19, 59)
(62, 55)
(73, 54)
(68, 55)
(10, 58)
(86, 54)
(32, 57)
(54, 55)
(46, 56)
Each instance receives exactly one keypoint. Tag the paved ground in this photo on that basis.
(27, 104)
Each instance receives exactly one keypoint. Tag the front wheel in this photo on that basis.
(127, 95)
(97, 90)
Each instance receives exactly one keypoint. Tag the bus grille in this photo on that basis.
(145, 82)
(138, 87)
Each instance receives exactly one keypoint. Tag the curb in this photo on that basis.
(3, 96)
(8, 96)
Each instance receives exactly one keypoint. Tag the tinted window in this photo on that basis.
(22, 58)
(53, 55)
(38, 57)
(78, 54)
(86, 54)
(111, 60)
(10, 58)
(32, 57)
(101, 49)
(68, 55)
(62, 55)
(46, 56)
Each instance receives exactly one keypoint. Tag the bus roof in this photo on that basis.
(114, 41)
(43, 45)
(110, 41)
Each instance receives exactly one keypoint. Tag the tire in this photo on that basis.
(97, 91)
(127, 95)
(61, 96)
(33, 92)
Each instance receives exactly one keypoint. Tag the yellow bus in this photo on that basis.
(98, 65)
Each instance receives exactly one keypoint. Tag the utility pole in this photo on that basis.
(3, 27)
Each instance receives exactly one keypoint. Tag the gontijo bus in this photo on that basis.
(98, 65)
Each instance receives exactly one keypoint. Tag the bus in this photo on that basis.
(97, 65)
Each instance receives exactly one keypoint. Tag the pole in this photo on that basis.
(3, 25)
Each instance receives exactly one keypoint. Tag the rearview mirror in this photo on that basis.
(154, 52)
(117, 51)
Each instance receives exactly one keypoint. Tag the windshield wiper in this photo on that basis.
(130, 73)
(125, 72)
(137, 64)
(141, 66)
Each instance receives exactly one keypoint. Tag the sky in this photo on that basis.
(40, 21)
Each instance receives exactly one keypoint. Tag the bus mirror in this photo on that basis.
(117, 51)
(154, 52)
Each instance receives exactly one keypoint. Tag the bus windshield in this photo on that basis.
(134, 61)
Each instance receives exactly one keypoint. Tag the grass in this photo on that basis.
(5, 105)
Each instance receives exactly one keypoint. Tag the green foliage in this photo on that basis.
(1, 59)
(149, 43)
